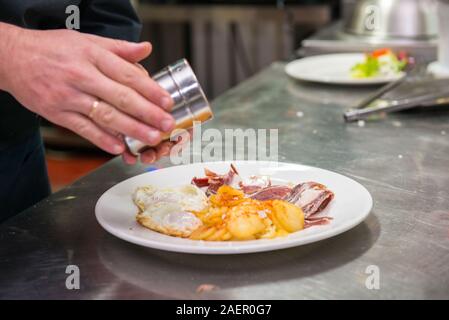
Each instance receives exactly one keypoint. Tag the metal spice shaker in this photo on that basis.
(190, 103)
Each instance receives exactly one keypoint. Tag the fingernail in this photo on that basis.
(149, 158)
(117, 149)
(153, 137)
(130, 161)
(166, 102)
(167, 125)
(165, 150)
(146, 44)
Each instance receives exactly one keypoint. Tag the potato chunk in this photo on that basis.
(245, 227)
(289, 216)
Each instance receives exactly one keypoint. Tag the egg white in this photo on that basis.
(168, 210)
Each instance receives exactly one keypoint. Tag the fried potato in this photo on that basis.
(288, 216)
(231, 216)
(202, 233)
(211, 234)
(227, 197)
(245, 227)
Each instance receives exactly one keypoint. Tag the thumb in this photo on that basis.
(130, 51)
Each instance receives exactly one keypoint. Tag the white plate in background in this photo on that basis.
(438, 70)
(333, 69)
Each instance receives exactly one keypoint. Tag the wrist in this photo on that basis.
(9, 37)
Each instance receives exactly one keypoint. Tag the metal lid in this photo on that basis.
(186, 82)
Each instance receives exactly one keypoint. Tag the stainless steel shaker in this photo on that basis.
(190, 103)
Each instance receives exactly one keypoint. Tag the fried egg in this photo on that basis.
(169, 210)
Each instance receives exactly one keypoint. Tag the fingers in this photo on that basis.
(163, 149)
(120, 66)
(153, 154)
(130, 51)
(130, 75)
(182, 136)
(128, 158)
(90, 131)
(128, 101)
(111, 118)
(148, 156)
(141, 67)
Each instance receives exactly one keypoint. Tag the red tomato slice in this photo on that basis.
(380, 52)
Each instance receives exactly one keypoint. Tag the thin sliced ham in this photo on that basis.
(214, 181)
(254, 184)
(316, 221)
(271, 193)
(311, 196)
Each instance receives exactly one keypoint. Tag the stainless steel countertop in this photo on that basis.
(403, 160)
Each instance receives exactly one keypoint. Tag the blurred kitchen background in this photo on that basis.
(228, 41)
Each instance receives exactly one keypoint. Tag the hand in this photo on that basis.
(151, 155)
(59, 74)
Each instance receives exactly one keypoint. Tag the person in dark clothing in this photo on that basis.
(88, 81)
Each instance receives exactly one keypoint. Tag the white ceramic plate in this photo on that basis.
(116, 212)
(438, 70)
(333, 69)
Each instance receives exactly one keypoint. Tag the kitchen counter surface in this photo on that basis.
(402, 159)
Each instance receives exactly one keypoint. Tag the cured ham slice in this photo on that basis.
(214, 181)
(200, 182)
(312, 197)
(271, 193)
(254, 184)
(316, 221)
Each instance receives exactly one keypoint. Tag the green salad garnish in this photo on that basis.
(382, 62)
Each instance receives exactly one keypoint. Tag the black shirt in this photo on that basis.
(108, 18)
